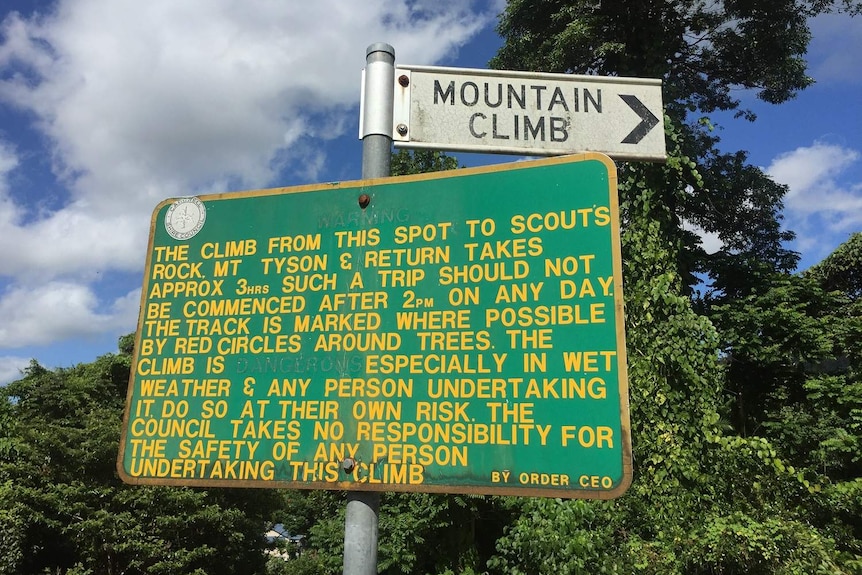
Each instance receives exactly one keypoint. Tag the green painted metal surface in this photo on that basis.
(462, 332)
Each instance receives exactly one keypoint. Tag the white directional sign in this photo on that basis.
(527, 113)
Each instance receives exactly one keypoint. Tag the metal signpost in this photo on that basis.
(495, 111)
(361, 512)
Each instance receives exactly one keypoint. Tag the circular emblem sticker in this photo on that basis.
(185, 218)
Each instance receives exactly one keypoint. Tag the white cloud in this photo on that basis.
(137, 95)
(814, 177)
(835, 48)
(57, 311)
(709, 241)
(141, 101)
(8, 162)
(73, 242)
(824, 193)
(11, 368)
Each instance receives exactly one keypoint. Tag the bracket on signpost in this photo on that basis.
(401, 106)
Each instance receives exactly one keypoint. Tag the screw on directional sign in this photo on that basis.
(453, 332)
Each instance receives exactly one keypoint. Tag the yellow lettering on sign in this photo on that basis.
(562, 220)
(406, 257)
(295, 264)
(569, 265)
(258, 344)
(148, 447)
(159, 310)
(433, 319)
(370, 387)
(511, 412)
(487, 272)
(382, 473)
(308, 409)
(182, 271)
(153, 427)
(336, 451)
(508, 249)
(315, 471)
(588, 361)
(169, 327)
(185, 387)
(545, 479)
(354, 301)
(265, 429)
(187, 289)
(434, 363)
(357, 321)
(544, 315)
(442, 411)
(454, 340)
(480, 388)
(362, 341)
(165, 365)
(167, 253)
(244, 470)
(566, 388)
(311, 282)
(453, 433)
(587, 436)
(357, 238)
(293, 387)
(273, 305)
(595, 481)
(571, 289)
(426, 233)
(298, 243)
(202, 469)
(229, 249)
(193, 345)
(518, 292)
(424, 454)
(217, 449)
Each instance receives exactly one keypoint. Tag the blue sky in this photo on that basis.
(109, 106)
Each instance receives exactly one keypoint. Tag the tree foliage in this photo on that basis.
(704, 52)
(407, 162)
(64, 510)
(744, 433)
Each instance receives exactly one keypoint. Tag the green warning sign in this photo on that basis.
(450, 332)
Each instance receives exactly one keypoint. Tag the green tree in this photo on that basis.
(64, 509)
(407, 162)
(704, 53)
(418, 532)
(812, 408)
(842, 270)
(704, 500)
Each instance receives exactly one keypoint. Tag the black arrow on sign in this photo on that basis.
(648, 119)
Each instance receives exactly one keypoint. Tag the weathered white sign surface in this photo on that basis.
(527, 113)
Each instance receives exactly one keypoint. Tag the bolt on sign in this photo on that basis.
(452, 332)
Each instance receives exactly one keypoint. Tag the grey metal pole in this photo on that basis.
(360, 521)
(378, 99)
